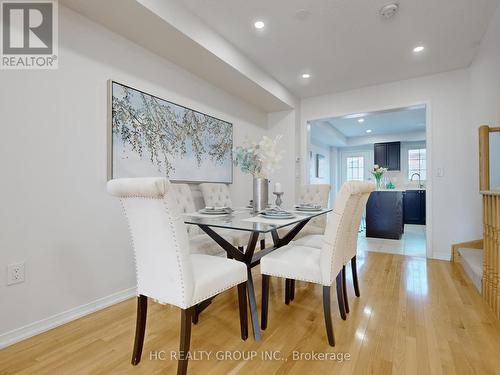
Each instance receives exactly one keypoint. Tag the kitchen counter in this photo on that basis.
(406, 189)
(384, 214)
(388, 210)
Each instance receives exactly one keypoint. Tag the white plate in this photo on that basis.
(212, 212)
(287, 216)
(308, 209)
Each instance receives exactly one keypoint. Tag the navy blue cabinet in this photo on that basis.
(388, 155)
(414, 207)
(384, 215)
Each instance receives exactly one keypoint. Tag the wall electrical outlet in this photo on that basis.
(15, 273)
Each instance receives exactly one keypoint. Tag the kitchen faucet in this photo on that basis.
(419, 181)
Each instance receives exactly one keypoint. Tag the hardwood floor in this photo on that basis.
(413, 317)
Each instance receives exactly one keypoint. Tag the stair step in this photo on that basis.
(472, 262)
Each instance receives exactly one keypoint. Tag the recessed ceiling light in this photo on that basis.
(259, 24)
(306, 75)
(368, 130)
(418, 49)
(414, 107)
(361, 120)
(355, 115)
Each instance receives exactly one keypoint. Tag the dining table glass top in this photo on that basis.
(247, 220)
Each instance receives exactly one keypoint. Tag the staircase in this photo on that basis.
(472, 263)
(471, 256)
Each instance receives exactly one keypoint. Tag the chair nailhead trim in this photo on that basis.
(131, 240)
(183, 293)
(293, 277)
(217, 292)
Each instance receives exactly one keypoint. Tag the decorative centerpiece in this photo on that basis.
(278, 191)
(378, 173)
(260, 160)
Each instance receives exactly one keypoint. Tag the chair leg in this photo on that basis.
(355, 276)
(265, 301)
(287, 291)
(140, 328)
(344, 291)
(263, 244)
(340, 296)
(242, 302)
(241, 248)
(185, 341)
(328, 315)
(195, 315)
(292, 289)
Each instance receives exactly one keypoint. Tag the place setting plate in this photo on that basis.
(216, 210)
(277, 214)
(308, 207)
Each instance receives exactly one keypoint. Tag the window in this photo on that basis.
(417, 163)
(355, 168)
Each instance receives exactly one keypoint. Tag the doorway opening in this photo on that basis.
(349, 147)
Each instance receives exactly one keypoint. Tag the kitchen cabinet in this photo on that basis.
(384, 215)
(388, 155)
(414, 207)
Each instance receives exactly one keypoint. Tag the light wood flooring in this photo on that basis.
(414, 316)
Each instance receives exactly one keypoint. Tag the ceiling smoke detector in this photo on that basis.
(389, 10)
(302, 14)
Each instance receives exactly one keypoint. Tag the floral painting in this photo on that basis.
(154, 137)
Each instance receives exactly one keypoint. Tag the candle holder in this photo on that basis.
(278, 202)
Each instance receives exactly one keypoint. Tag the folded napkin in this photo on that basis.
(275, 211)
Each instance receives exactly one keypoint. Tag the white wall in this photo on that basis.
(283, 123)
(334, 173)
(454, 197)
(55, 212)
(485, 90)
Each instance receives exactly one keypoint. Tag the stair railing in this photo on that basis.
(491, 224)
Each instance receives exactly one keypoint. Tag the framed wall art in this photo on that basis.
(149, 136)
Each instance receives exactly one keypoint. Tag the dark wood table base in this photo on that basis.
(251, 259)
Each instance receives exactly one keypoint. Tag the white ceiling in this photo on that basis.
(169, 30)
(345, 44)
(342, 131)
(404, 120)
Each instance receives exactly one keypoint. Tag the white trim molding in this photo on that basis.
(35, 328)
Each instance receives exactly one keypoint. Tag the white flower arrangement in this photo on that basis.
(378, 172)
(259, 159)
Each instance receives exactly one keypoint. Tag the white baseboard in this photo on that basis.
(46, 324)
(445, 255)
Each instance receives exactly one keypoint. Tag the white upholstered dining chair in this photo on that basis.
(364, 189)
(316, 194)
(218, 195)
(199, 242)
(319, 266)
(166, 270)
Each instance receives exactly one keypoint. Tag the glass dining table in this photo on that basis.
(256, 225)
